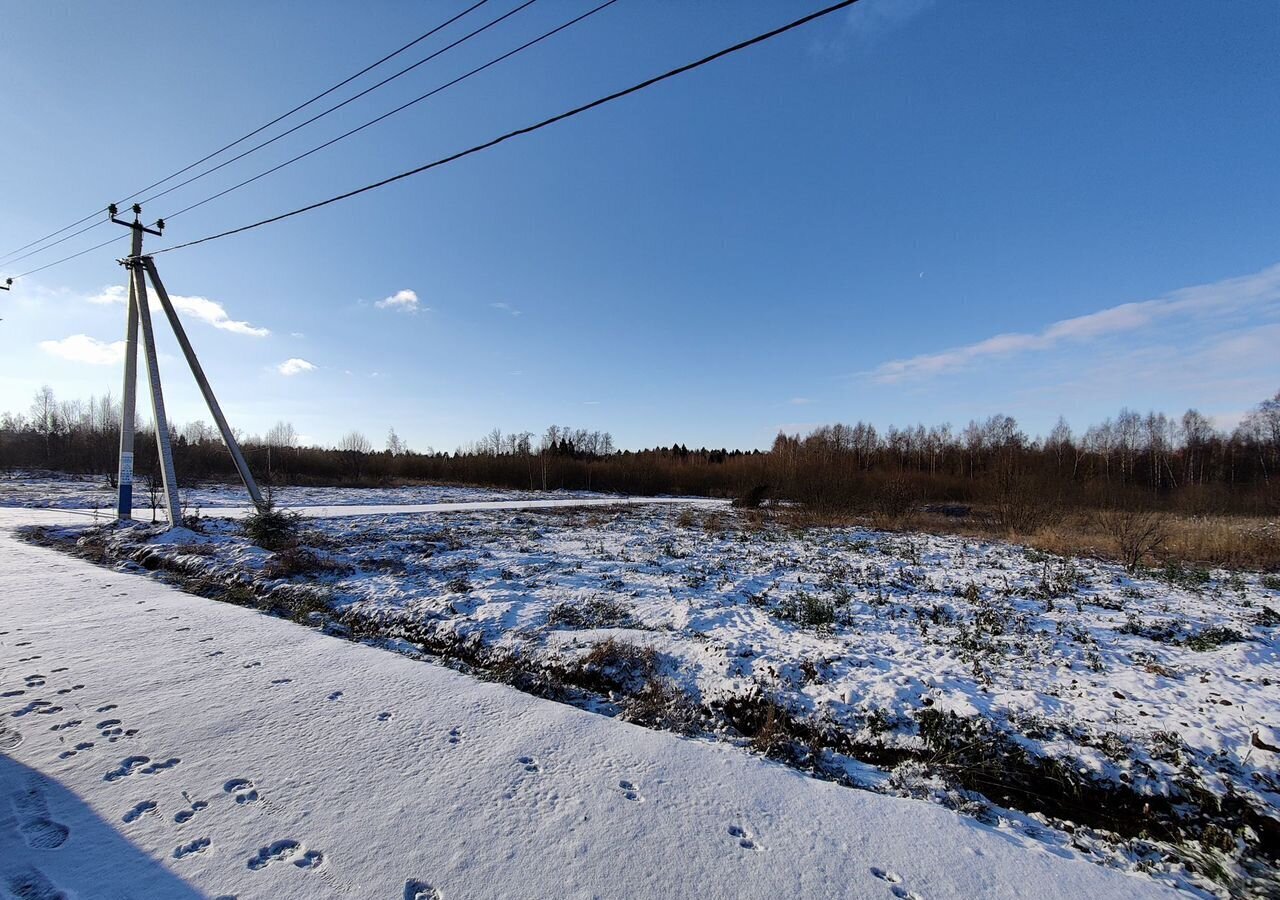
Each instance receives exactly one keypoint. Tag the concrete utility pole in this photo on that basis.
(128, 400)
(228, 437)
(140, 269)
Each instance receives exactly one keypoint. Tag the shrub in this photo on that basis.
(270, 527)
(894, 498)
(1179, 575)
(620, 664)
(292, 561)
(596, 612)
(806, 610)
(752, 497)
(662, 704)
(1019, 506)
(1213, 638)
(1137, 534)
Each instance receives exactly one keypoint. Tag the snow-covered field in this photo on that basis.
(53, 491)
(154, 744)
(1145, 707)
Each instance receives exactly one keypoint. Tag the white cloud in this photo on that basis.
(213, 313)
(506, 308)
(82, 348)
(1218, 299)
(115, 293)
(202, 308)
(866, 24)
(401, 301)
(872, 21)
(295, 366)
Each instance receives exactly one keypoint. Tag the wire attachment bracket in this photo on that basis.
(113, 212)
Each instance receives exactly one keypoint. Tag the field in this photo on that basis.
(1128, 719)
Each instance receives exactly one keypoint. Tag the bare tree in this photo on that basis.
(395, 446)
(1137, 534)
(44, 417)
(354, 447)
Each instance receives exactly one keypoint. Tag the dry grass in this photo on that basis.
(1228, 542)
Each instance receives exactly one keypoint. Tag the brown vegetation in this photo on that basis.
(1137, 488)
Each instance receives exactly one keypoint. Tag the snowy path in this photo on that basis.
(326, 512)
(156, 744)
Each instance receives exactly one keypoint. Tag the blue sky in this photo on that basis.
(912, 211)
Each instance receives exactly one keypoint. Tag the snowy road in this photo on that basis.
(316, 512)
(156, 744)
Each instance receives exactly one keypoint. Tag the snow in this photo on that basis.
(57, 491)
(923, 622)
(156, 744)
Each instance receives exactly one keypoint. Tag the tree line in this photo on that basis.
(1139, 460)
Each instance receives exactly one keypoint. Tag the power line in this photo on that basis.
(335, 107)
(347, 134)
(401, 108)
(649, 82)
(59, 262)
(60, 240)
(245, 137)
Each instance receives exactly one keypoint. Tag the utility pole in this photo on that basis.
(128, 401)
(8, 283)
(228, 436)
(141, 268)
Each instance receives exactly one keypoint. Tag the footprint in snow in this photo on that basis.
(34, 824)
(74, 687)
(29, 658)
(383, 716)
(251, 664)
(286, 851)
(63, 726)
(529, 764)
(138, 810)
(199, 845)
(29, 883)
(60, 669)
(277, 681)
(242, 790)
(336, 695)
(193, 807)
(141, 765)
(32, 706)
(420, 890)
(629, 791)
(107, 708)
(894, 880)
(12, 694)
(744, 838)
(455, 735)
(78, 748)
